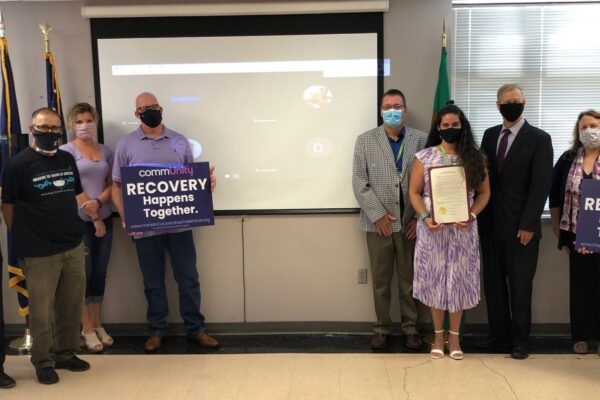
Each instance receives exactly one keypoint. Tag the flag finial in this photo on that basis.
(46, 28)
(1, 25)
(444, 36)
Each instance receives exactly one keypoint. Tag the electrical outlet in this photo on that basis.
(362, 275)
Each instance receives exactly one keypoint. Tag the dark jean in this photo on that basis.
(151, 256)
(97, 254)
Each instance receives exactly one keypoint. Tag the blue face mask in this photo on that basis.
(392, 117)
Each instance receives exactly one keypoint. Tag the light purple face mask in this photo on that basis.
(85, 131)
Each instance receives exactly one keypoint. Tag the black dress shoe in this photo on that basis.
(489, 342)
(378, 341)
(519, 352)
(6, 382)
(47, 375)
(73, 364)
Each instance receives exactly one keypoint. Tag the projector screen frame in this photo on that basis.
(307, 24)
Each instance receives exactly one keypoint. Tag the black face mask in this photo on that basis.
(152, 118)
(450, 135)
(46, 141)
(511, 111)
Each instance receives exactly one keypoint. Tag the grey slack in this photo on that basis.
(56, 286)
(385, 255)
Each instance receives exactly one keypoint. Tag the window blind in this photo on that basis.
(552, 51)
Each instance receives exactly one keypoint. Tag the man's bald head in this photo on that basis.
(148, 111)
(145, 99)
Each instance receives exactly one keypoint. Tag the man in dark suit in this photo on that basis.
(520, 168)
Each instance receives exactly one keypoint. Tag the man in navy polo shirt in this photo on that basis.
(153, 143)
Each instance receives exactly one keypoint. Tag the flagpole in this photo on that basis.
(52, 90)
(444, 36)
(24, 342)
(441, 97)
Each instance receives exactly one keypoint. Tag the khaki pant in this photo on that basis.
(385, 255)
(56, 286)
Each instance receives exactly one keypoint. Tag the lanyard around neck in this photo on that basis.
(399, 155)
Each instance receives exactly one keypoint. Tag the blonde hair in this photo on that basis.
(507, 88)
(80, 108)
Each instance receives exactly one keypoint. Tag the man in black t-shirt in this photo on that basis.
(41, 191)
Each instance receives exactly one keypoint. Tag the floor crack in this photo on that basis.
(500, 375)
(405, 376)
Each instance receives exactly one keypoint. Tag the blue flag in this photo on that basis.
(53, 92)
(10, 129)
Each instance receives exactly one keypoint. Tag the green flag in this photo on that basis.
(442, 95)
(442, 91)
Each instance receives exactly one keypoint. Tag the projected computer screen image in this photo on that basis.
(276, 115)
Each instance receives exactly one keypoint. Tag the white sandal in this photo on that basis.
(437, 354)
(92, 343)
(580, 347)
(456, 354)
(104, 337)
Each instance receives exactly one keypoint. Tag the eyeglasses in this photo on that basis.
(48, 128)
(154, 107)
(389, 107)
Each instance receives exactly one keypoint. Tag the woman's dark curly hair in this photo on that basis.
(469, 155)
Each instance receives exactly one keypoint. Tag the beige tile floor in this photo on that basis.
(315, 376)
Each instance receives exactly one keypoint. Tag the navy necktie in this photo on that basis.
(502, 148)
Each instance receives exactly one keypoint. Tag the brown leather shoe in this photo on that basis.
(205, 340)
(153, 343)
(379, 341)
(414, 341)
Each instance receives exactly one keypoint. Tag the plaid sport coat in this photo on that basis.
(376, 181)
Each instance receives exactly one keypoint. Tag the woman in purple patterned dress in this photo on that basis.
(446, 276)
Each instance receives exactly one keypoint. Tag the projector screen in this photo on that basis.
(277, 115)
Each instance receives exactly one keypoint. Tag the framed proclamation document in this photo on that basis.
(449, 198)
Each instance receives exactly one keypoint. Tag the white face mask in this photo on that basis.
(590, 137)
(85, 131)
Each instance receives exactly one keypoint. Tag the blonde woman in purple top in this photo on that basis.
(94, 162)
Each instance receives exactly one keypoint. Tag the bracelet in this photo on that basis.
(474, 216)
(99, 202)
(423, 216)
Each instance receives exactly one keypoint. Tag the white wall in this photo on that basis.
(296, 268)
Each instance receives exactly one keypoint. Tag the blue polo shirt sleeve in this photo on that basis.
(189, 156)
(120, 160)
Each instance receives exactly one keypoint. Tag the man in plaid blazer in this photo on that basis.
(383, 159)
